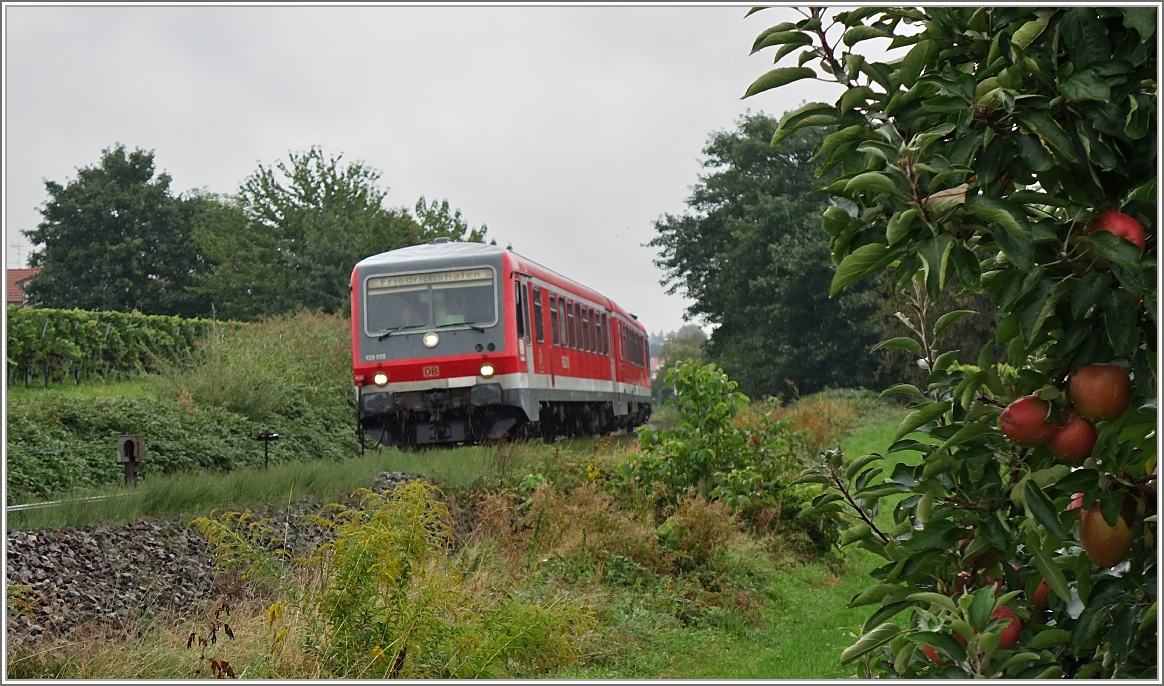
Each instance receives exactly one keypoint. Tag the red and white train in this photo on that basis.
(458, 342)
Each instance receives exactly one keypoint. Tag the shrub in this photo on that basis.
(697, 532)
(744, 459)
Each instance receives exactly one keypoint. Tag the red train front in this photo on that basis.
(461, 342)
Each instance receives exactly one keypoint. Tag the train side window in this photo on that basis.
(586, 328)
(519, 309)
(570, 325)
(594, 329)
(562, 322)
(537, 319)
(590, 339)
(579, 313)
(554, 338)
(622, 340)
(575, 327)
(603, 335)
(597, 332)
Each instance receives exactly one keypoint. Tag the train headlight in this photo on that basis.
(431, 339)
(487, 370)
(380, 378)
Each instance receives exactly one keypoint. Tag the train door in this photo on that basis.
(608, 345)
(524, 349)
(522, 323)
(539, 343)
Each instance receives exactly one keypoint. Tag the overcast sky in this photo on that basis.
(568, 130)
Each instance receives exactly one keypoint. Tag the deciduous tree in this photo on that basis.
(440, 220)
(751, 255)
(116, 238)
(294, 231)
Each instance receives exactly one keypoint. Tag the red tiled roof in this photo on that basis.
(13, 282)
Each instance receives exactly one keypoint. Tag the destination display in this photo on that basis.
(382, 284)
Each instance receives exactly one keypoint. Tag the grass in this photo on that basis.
(194, 494)
(801, 635)
(197, 493)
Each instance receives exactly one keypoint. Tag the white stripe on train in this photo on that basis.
(520, 381)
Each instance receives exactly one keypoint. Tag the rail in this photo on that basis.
(52, 503)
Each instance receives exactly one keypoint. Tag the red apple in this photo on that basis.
(932, 652)
(998, 582)
(1119, 224)
(1076, 504)
(1010, 633)
(991, 581)
(982, 560)
(1103, 544)
(1074, 440)
(1006, 638)
(1041, 596)
(1024, 421)
(1100, 391)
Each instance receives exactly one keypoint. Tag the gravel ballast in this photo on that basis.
(108, 575)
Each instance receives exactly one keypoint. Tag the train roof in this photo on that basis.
(436, 249)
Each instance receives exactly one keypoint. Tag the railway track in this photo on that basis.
(54, 503)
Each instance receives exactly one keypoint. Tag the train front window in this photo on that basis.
(429, 299)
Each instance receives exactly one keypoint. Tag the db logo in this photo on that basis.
(431, 372)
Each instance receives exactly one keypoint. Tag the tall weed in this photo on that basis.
(831, 415)
(267, 367)
(584, 526)
(383, 599)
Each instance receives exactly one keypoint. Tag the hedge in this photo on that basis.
(57, 443)
(53, 345)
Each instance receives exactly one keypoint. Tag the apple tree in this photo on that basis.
(1009, 151)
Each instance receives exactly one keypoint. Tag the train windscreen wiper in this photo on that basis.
(472, 325)
(398, 329)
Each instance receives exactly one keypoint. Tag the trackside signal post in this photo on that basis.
(266, 437)
(130, 453)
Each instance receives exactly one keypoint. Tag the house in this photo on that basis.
(14, 285)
